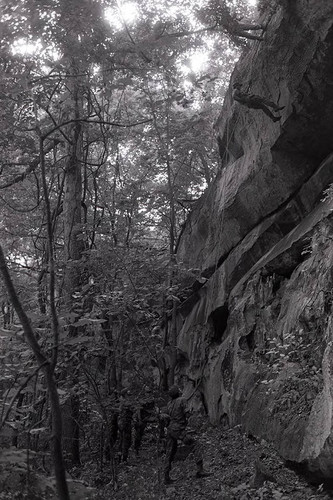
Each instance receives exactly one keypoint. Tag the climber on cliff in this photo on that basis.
(218, 16)
(176, 417)
(238, 29)
(256, 102)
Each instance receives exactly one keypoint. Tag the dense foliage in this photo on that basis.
(107, 142)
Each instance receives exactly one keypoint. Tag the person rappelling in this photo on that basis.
(256, 102)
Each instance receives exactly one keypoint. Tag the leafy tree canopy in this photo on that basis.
(107, 141)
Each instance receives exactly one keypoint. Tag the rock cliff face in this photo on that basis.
(259, 333)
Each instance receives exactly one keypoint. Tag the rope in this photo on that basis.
(223, 180)
(256, 45)
(229, 137)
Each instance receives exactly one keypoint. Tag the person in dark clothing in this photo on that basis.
(176, 431)
(6, 314)
(143, 415)
(125, 430)
(111, 434)
(236, 28)
(218, 15)
(256, 102)
(163, 420)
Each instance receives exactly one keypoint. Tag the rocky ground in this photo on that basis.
(241, 469)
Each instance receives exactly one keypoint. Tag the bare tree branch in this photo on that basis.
(100, 122)
(32, 166)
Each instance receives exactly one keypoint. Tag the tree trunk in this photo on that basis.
(73, 251)
(73, 241)
(172, 267)
(45, 364)
(173, 344)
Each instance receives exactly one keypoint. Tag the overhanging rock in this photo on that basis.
(259, 332)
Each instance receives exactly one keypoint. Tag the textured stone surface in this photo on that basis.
(278, 158)
(259, 332)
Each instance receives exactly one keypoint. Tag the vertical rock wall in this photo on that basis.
(259, 332)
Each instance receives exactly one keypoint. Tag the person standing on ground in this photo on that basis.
(176, 431)
(6, 314)
(144, 414)
(125, 429)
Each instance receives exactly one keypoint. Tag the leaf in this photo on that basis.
(12, 425)
(68, 318)
(28, 390)
(38, 430)
(81, 322)
(78, 340)
(61, 392)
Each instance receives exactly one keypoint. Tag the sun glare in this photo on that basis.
(195, 62)
(25, 47)
(198, 61)
(126, 12)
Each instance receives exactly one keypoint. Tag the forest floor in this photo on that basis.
(241, 468)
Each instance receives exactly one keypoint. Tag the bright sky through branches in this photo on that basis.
(25, 47)
(126, 12)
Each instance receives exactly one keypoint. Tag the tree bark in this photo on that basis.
(173, 260)
(73, 248)
(73, 219)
